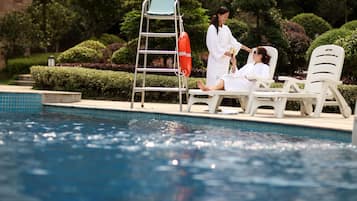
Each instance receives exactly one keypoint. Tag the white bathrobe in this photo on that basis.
(218, 44)
(238, 82)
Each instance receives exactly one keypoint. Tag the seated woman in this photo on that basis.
(244, 78)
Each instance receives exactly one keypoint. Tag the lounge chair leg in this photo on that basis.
(342, 104)
(189, 103)
(214, 103)
(279, 107)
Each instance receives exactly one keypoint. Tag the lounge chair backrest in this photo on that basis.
(326, 62)
(161, 7)
(273, 53)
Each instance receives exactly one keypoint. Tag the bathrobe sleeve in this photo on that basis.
(234, 43)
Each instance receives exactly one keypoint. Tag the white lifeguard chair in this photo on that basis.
(158, 10)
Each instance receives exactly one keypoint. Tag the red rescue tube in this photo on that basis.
(184, 49)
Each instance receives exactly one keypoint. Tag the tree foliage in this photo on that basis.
(17, 30)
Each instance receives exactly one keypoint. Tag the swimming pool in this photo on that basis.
(92, 155)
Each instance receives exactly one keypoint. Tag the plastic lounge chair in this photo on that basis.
(320, 86)
(214, 98)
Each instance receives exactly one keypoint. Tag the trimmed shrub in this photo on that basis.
(79, 54)
(329, 37)
(101, 84)
(86, 51)
(22, 64)
(349, 43)
(122, 56)
(352, 25)
(92, 44)
(313, 24)
(108, 39)
(127, 54)
(108, 52)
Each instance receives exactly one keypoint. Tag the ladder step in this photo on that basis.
(158, 35)
(163, 89)
(158, 70)
(157, 52)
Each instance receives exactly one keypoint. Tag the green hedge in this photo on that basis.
(101, 84)
(118, 85)
(22, 64)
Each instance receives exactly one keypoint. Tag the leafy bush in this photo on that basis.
(127, 54)
(101, 84)
(79, 54)
(349, 43)
(313, 24)
(118, 85)
(23, 64)
(328, 38)
(122, 56)
(92, 44)
(110, 49)
(299, 42)
(108, 39)
(352, 25)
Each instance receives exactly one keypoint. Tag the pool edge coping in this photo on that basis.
(198, 115)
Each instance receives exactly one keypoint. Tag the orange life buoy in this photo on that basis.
(184, 49)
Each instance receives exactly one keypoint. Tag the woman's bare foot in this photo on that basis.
(202, 86)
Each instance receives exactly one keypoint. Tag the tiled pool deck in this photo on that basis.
(330, 121)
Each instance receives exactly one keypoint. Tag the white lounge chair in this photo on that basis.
(214, 98)
(320, 86)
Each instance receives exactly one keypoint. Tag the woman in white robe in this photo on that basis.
(222, 46)
(244, 78)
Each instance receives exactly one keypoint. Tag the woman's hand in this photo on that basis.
(228, 54)
(233, 64)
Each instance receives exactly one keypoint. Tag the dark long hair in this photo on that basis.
(214, 20)
(265, 57)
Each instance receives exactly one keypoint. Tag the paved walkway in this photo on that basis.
(331, 121)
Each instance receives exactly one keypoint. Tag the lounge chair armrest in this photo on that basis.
(263, 83)
(291, 79)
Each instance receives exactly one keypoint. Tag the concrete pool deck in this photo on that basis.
(327, 120)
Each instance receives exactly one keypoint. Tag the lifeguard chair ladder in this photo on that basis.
(158, 10)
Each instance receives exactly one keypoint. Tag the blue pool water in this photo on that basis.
(106, 156)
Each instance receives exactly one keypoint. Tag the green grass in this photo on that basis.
(5, 78)
(22, 65)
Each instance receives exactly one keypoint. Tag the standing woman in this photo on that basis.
(220, 43)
